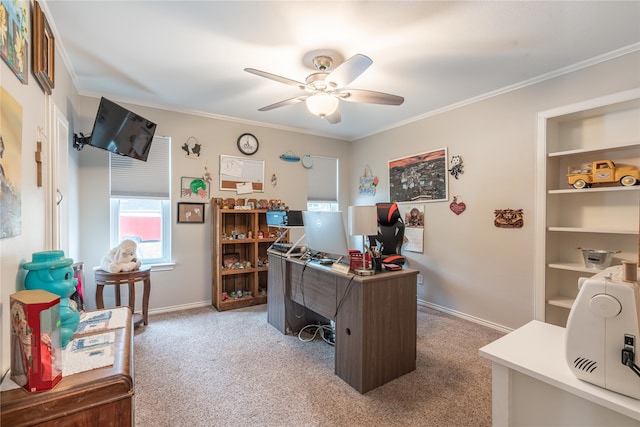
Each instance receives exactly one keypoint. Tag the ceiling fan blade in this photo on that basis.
(349, 70)
(370, 97)
(277, 78)
(334, 118)
(284, 103)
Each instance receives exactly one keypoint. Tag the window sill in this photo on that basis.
(162, 266)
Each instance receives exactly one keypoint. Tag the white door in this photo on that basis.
(57, 189)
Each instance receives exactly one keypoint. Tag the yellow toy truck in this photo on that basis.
(603, 171)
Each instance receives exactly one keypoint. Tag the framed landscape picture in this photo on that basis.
(420, 177)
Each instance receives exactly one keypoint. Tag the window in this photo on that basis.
(140, 202)
(322, 206)
(322, 184)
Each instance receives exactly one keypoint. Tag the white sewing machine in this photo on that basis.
(603, 330)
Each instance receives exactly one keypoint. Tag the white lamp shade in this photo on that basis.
(322, 104)
(363, 220)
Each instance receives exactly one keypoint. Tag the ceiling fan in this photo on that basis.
(326, 87)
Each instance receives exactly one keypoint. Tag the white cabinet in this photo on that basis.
(533, 385)
(606, 216)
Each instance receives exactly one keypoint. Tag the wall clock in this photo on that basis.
(248, 144)
(307, 161)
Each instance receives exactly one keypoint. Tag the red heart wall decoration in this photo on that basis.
(457, 207)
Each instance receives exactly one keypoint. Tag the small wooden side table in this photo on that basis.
(143, 274)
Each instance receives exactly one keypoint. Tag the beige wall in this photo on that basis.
(189, 283)
(471, 267)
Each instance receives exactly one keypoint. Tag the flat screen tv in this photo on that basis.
(121, 131)
(325, 234)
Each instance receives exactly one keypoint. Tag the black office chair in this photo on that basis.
(390, 234)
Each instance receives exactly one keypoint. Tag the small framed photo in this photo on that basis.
(190, 213)
(43, 50)
(230, 260)
(251, 205)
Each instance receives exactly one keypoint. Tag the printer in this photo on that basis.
(285, 219)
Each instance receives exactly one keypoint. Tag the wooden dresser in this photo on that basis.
(101, 397)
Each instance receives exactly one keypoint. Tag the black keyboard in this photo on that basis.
(285, 247)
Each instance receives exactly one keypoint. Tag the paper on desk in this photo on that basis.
(89, 352)
(8, 383)
(80, 355)
(102, 320)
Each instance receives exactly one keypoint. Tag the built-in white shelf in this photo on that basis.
(573, 266)
(594, 190)
(603, 216)
(593, 230)
(624, 146)
(560, 301)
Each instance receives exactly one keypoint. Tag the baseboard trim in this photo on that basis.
(464, 316)
(179, 307)
(422, 303)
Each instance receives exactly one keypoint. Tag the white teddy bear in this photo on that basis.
(121, 258)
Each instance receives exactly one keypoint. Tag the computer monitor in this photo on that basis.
(281, 218)
(294, 219)
(325, 234)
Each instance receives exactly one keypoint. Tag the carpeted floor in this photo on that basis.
(200, 367)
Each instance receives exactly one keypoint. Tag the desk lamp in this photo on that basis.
(363, 221)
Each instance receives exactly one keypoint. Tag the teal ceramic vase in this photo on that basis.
(52, 272)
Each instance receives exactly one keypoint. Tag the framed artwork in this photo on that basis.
(419, 178)
(14, 37)
(43, 50)
(190, 213)
(11, 165)
(194, 188)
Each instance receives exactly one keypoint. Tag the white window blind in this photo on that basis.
(322, 180)
(131, 178)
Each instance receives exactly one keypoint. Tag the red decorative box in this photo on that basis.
(36, 353)
(355, 260)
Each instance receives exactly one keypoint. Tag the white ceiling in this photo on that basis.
(190, 55)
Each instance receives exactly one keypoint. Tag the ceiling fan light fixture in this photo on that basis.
(322, 104)
(327, 86)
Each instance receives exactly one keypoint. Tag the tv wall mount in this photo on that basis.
(80, 141)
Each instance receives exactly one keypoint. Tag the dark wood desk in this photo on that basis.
(100, 397)
(376, 316)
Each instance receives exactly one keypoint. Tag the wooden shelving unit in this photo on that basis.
(239, 257)
(605, 216)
